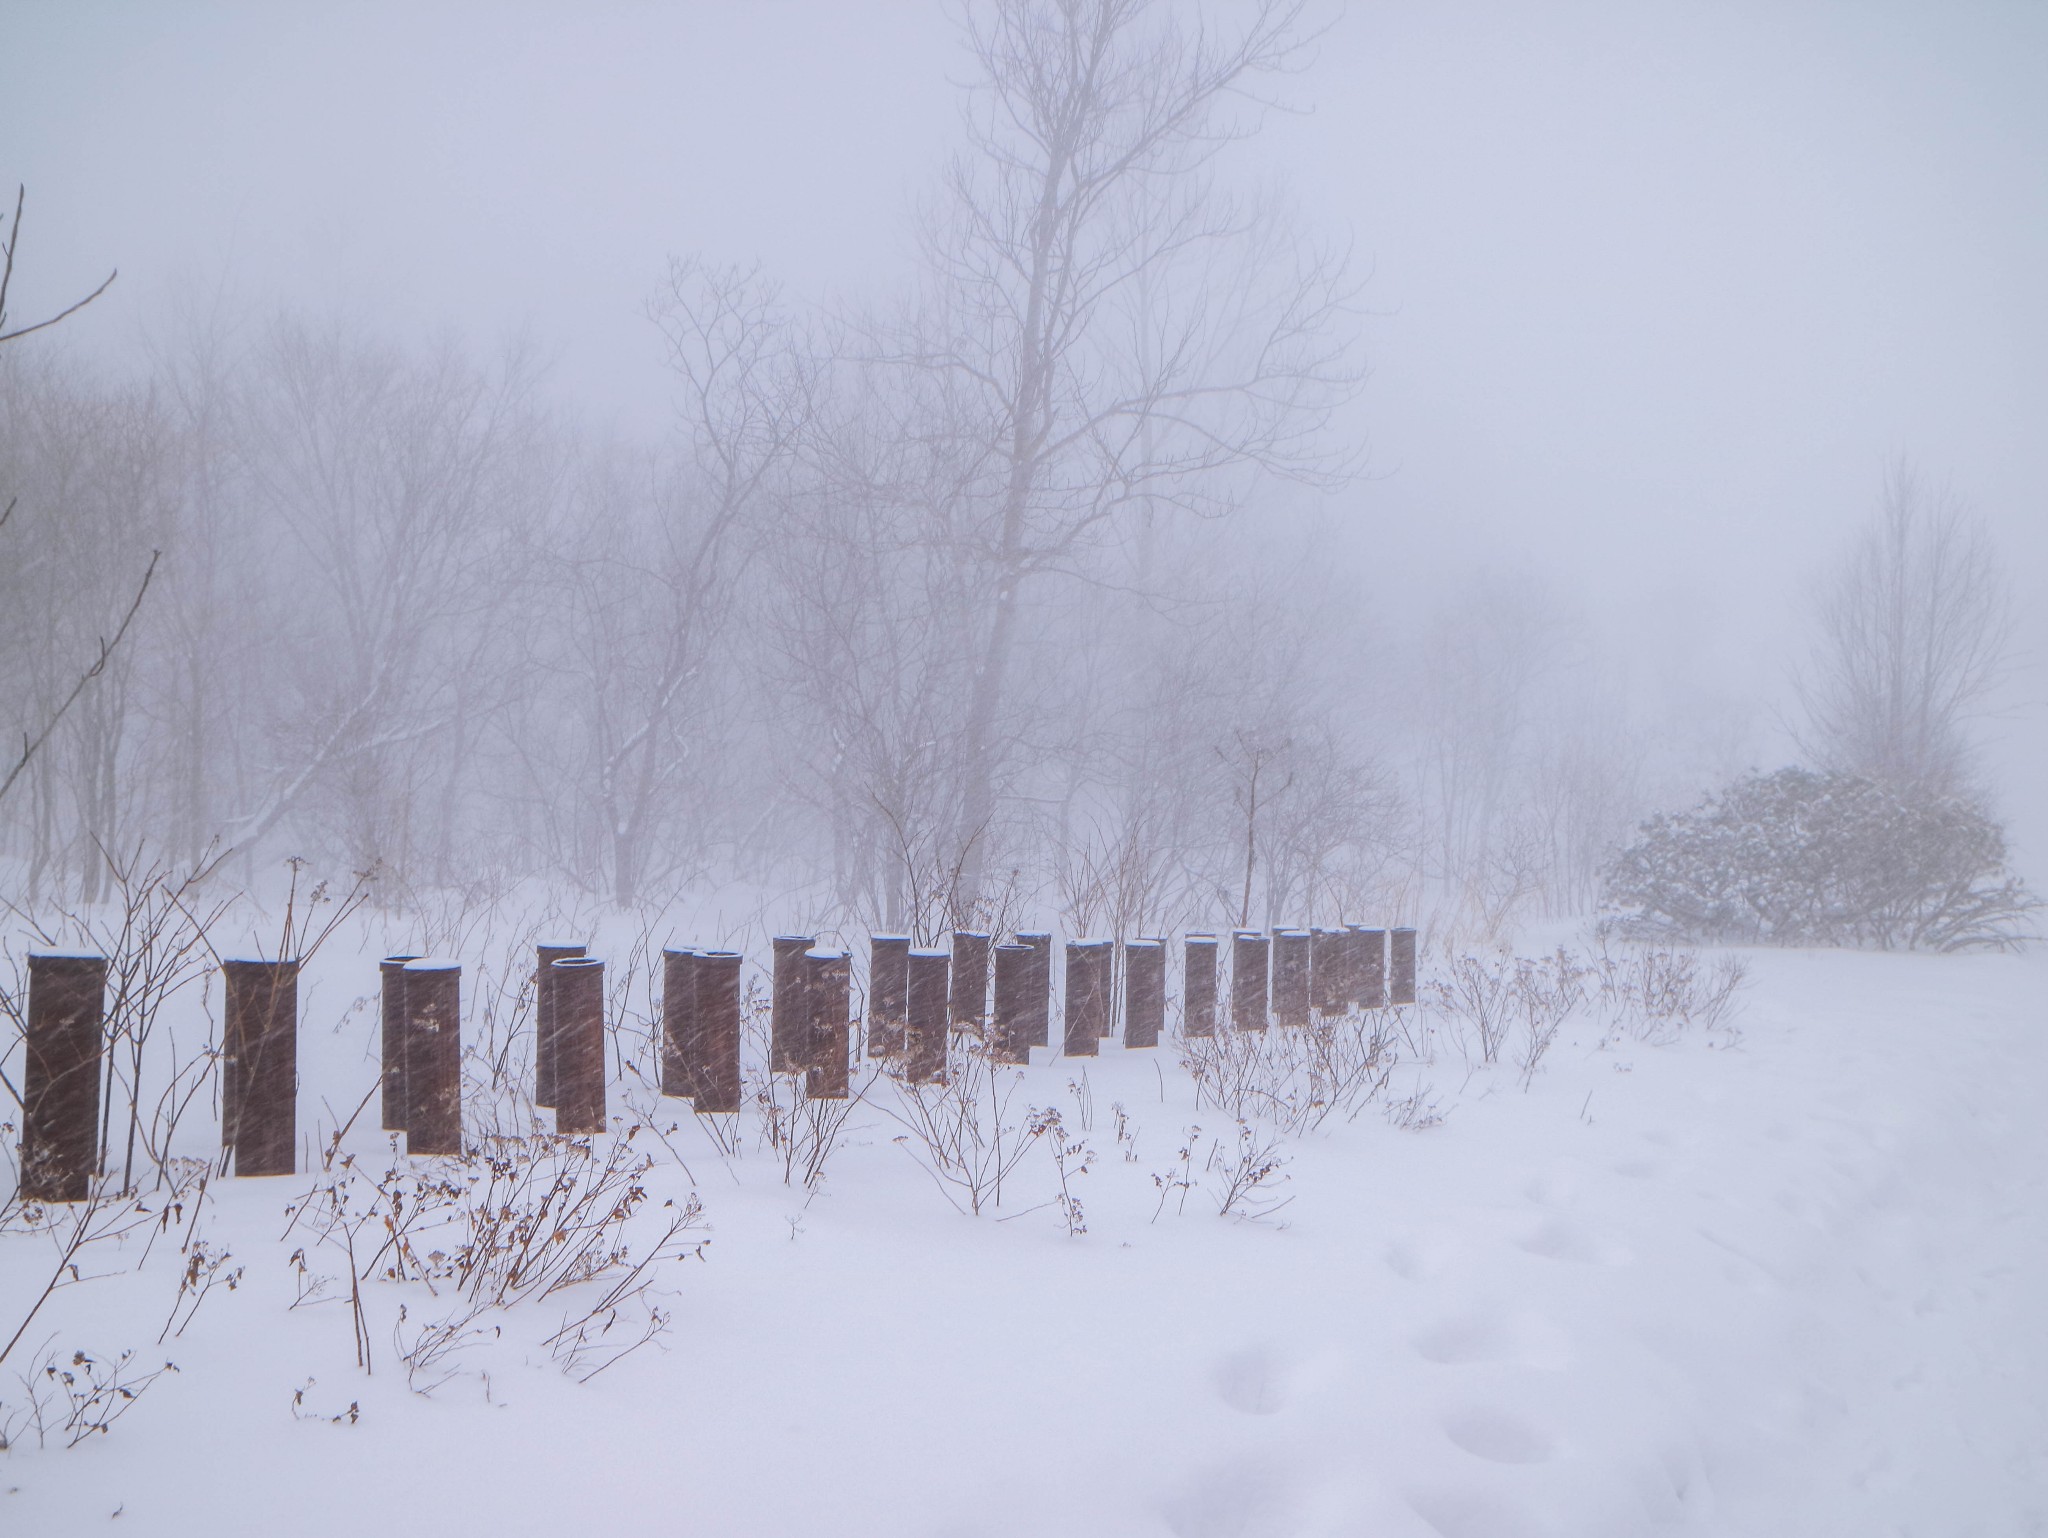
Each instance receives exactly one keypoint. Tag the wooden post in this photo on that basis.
(260, 1071)
(1010, 1029)
(888, 993)
(1248, 969)
(831, 993)
(1290, 976)
(1351, 950)
(789, 1005)
(1404, 966)
(1144, 992)
(924, 1047)
(391, 1028)
(546, 955)
(967, 1005)
(1326, 971)
(60, 1089)
(433, 1056)
(1198, 986)
(1372, 967)
(678, 1022)
(1087, 1013)
(712, 1051)
(1038, 998)
(579, 1045)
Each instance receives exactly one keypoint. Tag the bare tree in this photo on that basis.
(36, 735)
(1211, 775)
(874, 589)
(1126, 336)
(1587, 782)
(644, 577)
(1913, 633)
(1325, 831)
(649, 628)
(1143, 804)
(1488, 653)
(1261, 772)
(91, 464)
(198, 356)
(394, 479)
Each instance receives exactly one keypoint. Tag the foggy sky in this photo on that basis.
(1656, 290)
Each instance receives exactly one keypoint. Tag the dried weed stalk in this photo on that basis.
(963, 1130)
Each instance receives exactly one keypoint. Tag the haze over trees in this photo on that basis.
(1141, 650)
(1913, 634)
(1889, 845)
(48, 705)
(1003, 591)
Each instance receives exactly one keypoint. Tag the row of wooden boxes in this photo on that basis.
(915, 1000)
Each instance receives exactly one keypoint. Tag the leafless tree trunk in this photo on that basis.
(1249, 759)
(196, 367)
(38, 731)
(1913, 634)
(647, 632)
(394, 481)
(871, 599)
(1086, 199)
(90, 463)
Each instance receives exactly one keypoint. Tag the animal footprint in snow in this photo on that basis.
(1470, 1338)
(1557, 1239)
(1251, 1381)
(1417, 1260)
(1528, 1340)
(1558, 1186)
(1466, 1513)
(1242, 1502)
(1497, 1436)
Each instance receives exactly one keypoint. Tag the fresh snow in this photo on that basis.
(1781, 1281)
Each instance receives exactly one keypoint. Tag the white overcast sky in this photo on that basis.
(1657, 288)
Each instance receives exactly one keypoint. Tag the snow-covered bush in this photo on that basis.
(1805, 858)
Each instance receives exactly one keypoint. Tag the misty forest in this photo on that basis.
(1059, 809)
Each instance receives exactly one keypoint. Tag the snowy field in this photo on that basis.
(1077, 464)
(1781, 1277)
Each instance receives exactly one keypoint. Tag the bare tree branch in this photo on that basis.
(1913, 636)
(7, 248)
(32, 745)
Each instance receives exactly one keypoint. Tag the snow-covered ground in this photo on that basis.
(1781, 1280)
